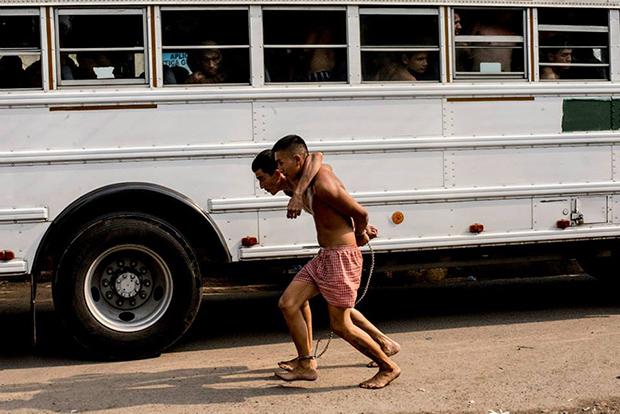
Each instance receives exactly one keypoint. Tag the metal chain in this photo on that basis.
(318, 355)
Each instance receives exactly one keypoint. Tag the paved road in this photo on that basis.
(520, 346)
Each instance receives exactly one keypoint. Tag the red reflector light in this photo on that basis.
(476, 228)
(7, 255)
(249, 241)
(562, 224)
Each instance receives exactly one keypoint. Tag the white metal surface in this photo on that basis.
(540, 116)
(445, 154)
(13, 267)
(496, 167)
(365, 119)
(12, 215)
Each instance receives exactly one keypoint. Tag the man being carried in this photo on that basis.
(335, 272)
(271, 179)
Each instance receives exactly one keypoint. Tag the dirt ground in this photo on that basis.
(532, 345)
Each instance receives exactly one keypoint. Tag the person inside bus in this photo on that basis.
(68, 67)
(207, 65)
(409, 67)
(493, 25)
(318, 65)
(11, 72)
(89, 62)
(587, 55)
(32, 75)
(457, 24)
(560, 54)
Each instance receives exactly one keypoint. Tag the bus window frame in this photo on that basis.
(575, 29)
(346, 46)
(89, 11)
(486, 76)
(162, 47)
(27, 11)
(404, 11)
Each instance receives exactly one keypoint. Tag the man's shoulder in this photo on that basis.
(325, 181)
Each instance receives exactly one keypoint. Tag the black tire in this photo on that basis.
(127, 286)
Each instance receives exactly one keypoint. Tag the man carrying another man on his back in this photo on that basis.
(271, 179)
(342, 226)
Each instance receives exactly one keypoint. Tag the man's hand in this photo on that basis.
(362, 239)
(372, 231)
(295, 204)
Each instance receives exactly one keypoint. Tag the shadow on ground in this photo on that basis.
(246, 319)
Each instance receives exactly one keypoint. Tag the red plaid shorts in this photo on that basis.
(337, 272)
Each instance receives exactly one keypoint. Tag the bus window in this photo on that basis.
(20, 49)
(489, 44)
(207, 46)
(399, 44)
(573, 44)
(101, 47)
(305, 45)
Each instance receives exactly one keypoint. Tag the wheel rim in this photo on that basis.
(128, 288)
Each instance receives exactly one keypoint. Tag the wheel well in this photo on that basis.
(177, 210)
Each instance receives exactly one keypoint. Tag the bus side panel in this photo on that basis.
(392, 171)
(56, 186)
(450, 219)
(178, 124)
(276, 229)
(536, 116)
(523, 166)
(235, 226)
(23, 239)
(344, 120)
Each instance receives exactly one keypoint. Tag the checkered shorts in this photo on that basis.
(337, 272)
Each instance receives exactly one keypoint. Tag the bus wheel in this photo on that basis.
(127, 286)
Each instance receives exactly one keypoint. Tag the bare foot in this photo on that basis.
(381, 379)
(300, 373)
(389, 347)
(289, 365)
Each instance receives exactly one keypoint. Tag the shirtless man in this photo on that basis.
(271, 179)
(561, 55)
(410, 65)
(207, 65)
(335, 272)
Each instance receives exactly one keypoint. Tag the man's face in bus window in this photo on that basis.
(416, 63)
(269, 182)
(211, 62)
(289, 165)
(457, 24)
(561, 56)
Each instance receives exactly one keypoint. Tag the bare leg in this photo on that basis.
(307, 315)
(291, 304)
(341, 324)
(387, 344)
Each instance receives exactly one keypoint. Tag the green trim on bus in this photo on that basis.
(590, 115)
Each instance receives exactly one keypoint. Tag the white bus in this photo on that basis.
(128, 130)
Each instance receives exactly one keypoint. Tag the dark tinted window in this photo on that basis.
(19, 32)
(224, 27)
(101, 31)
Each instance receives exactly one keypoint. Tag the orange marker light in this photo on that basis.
(398, 217)
(476, 228)
(249, 241)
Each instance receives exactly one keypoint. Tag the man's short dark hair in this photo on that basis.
(265, 161)
(292, 144)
